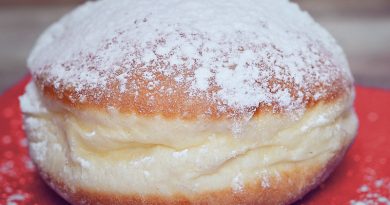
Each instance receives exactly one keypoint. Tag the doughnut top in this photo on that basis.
(190, 59)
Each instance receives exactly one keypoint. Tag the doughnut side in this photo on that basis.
(294, 182)
(92, 156)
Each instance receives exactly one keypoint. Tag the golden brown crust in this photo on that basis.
(180, 104)
(294, 182)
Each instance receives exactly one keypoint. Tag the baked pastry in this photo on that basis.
(187, 102)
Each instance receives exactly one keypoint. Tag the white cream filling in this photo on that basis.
(130, 154)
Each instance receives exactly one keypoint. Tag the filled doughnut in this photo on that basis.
(187, 102)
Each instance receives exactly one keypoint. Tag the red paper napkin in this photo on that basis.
(363, 177)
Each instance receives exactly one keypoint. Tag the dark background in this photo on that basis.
(362, 27)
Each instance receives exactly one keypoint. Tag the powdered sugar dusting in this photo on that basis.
(237, 183)
(15, 198)
(265, 179)
(373, 192)
(264, 53)
(39, 149)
